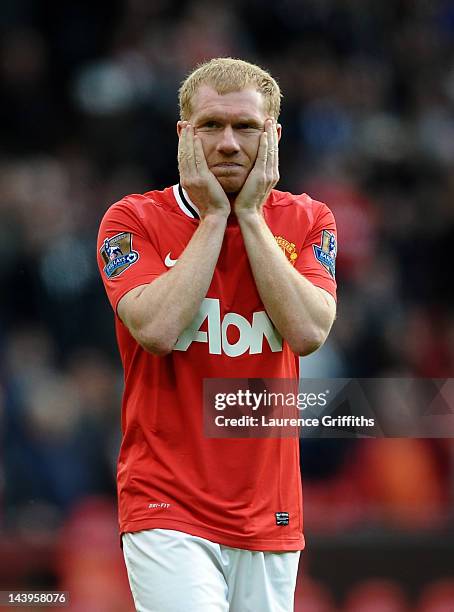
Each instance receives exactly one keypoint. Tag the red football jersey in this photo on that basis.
(170, 475)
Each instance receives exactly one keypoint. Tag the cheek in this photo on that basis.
(251, 147)
(208, 144)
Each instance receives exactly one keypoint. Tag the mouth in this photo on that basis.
(228, 165)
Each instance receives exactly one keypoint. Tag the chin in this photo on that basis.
(231, 186)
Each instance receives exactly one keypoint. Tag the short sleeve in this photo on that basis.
(126, 254)
(317, 260)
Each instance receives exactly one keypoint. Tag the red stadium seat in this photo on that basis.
(376, 596)
(312, 596)
(437, 597)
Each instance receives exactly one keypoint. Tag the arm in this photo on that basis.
(302, 312)
(157, 313)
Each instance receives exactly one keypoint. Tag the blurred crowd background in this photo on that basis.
(88, 106)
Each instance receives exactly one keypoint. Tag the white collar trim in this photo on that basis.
(184, 202)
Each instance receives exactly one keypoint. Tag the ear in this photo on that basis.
(279, 131)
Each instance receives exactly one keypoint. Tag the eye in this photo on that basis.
(209, 125)
(247, 127)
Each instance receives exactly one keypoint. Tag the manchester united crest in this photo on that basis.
(288, 248)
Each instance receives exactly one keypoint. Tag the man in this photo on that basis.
(219, 276)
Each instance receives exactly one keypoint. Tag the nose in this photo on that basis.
(228, 143)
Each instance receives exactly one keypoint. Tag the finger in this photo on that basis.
(276, 152)
(199, 155)
(262, 154)
(186, 154)
(182, 158)
(190, 149)
(273, 162)
(271, 148)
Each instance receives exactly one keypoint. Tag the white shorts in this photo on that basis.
(172, 571)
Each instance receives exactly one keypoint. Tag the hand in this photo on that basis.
(195, 176)
(263, 176)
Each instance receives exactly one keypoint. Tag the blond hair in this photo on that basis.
(225, 75)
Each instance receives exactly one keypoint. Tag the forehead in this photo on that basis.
(247, 102)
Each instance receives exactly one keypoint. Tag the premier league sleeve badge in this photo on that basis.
(118, 254)
(326, 252)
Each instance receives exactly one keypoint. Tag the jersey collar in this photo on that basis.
(184, 202)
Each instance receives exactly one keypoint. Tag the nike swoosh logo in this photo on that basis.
(169, 262)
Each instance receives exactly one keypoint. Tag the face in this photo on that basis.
(229, 127)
